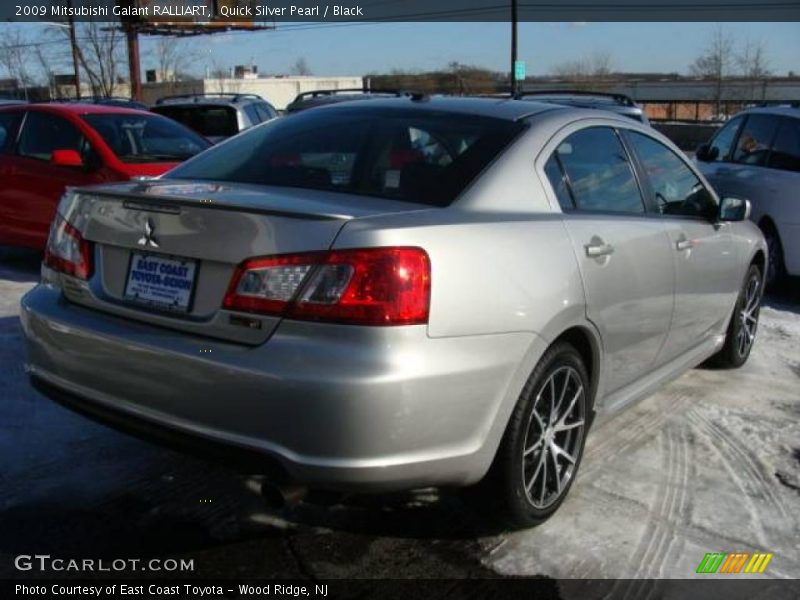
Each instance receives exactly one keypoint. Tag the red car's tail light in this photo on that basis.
(371, 286)
(67, 251)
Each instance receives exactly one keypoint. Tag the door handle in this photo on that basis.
(597, 250)
(681, 245)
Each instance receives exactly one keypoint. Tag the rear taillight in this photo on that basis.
(371, 286)
(67, 251)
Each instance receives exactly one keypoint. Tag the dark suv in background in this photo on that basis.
(216, 116)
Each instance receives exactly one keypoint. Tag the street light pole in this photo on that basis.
(514, 86)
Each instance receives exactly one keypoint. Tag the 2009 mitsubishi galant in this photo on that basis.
(399, 293)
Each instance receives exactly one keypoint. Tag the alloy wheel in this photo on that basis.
(553, 437)
(748, 316)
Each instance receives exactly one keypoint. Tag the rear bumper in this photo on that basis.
(334, 406)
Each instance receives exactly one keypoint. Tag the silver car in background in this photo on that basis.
(756, 155)
(399, 293)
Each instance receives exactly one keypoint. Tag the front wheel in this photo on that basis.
(743, 326)
(541, 450)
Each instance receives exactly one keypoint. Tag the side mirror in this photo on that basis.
(734, 209)
(706, 153)
(66, 158)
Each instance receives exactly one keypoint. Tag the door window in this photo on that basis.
(785, 153)
(9, 122)
(753, 144)
(598, 172)
(43, 133)
(677, 190)
(720, 147)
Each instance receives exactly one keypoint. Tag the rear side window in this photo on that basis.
(207, 120)
(265, 111)
(785, 153)
(43, 133)
(252, 114)
(753, 143)
(412, 155)
(677, 190)
(599, 173)
(9, 123)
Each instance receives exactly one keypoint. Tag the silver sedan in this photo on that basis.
(398, 293)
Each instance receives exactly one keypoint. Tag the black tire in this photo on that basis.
(742, 330)
(776, 267)
(506, 482)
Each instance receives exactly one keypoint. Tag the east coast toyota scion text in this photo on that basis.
(399, 293)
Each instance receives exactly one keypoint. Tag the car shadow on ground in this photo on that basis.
(19, 264)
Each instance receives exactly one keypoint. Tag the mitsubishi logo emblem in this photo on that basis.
(148, 239)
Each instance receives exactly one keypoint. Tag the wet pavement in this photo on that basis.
(710, 463)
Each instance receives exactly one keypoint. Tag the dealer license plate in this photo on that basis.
(161, 281)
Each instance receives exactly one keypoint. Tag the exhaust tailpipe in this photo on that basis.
(278, 496)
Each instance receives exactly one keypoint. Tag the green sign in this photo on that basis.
(519, 70)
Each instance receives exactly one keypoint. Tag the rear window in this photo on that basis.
(418, 156)
(207, 120)
(142, 138)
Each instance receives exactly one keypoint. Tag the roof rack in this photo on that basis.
(92, 99)
(235, 97)
(780, 103)
(618, 98)
(316, 93)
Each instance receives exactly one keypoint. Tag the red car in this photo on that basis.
(45, 148)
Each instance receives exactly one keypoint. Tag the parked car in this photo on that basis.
(315, 98)
(11, 101)
(757, 155)
(46, 148)
(216, 116)
(616, 103)
(398, 293)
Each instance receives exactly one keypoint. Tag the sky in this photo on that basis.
(357, 49)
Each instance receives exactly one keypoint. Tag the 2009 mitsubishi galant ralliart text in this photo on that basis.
(398, 293)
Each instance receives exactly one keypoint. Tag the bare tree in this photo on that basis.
(590, 68)
(752, 60)
(101, 54)
(753, 64)
(300, 67)
(716, 63)
(14, 50)
(174, 58)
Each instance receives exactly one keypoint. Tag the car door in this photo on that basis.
(706, 266)
(9, 126)
(623, 253)
(36, 186)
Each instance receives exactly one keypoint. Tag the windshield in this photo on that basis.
(142, 138)
(212, 121)
(419, 156)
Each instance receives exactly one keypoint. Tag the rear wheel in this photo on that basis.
(744, 322)
(541, 450)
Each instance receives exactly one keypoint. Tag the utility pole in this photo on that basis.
(134, 62)
(74, 44)
(514, 85)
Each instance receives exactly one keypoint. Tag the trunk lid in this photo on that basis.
(199, 233)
